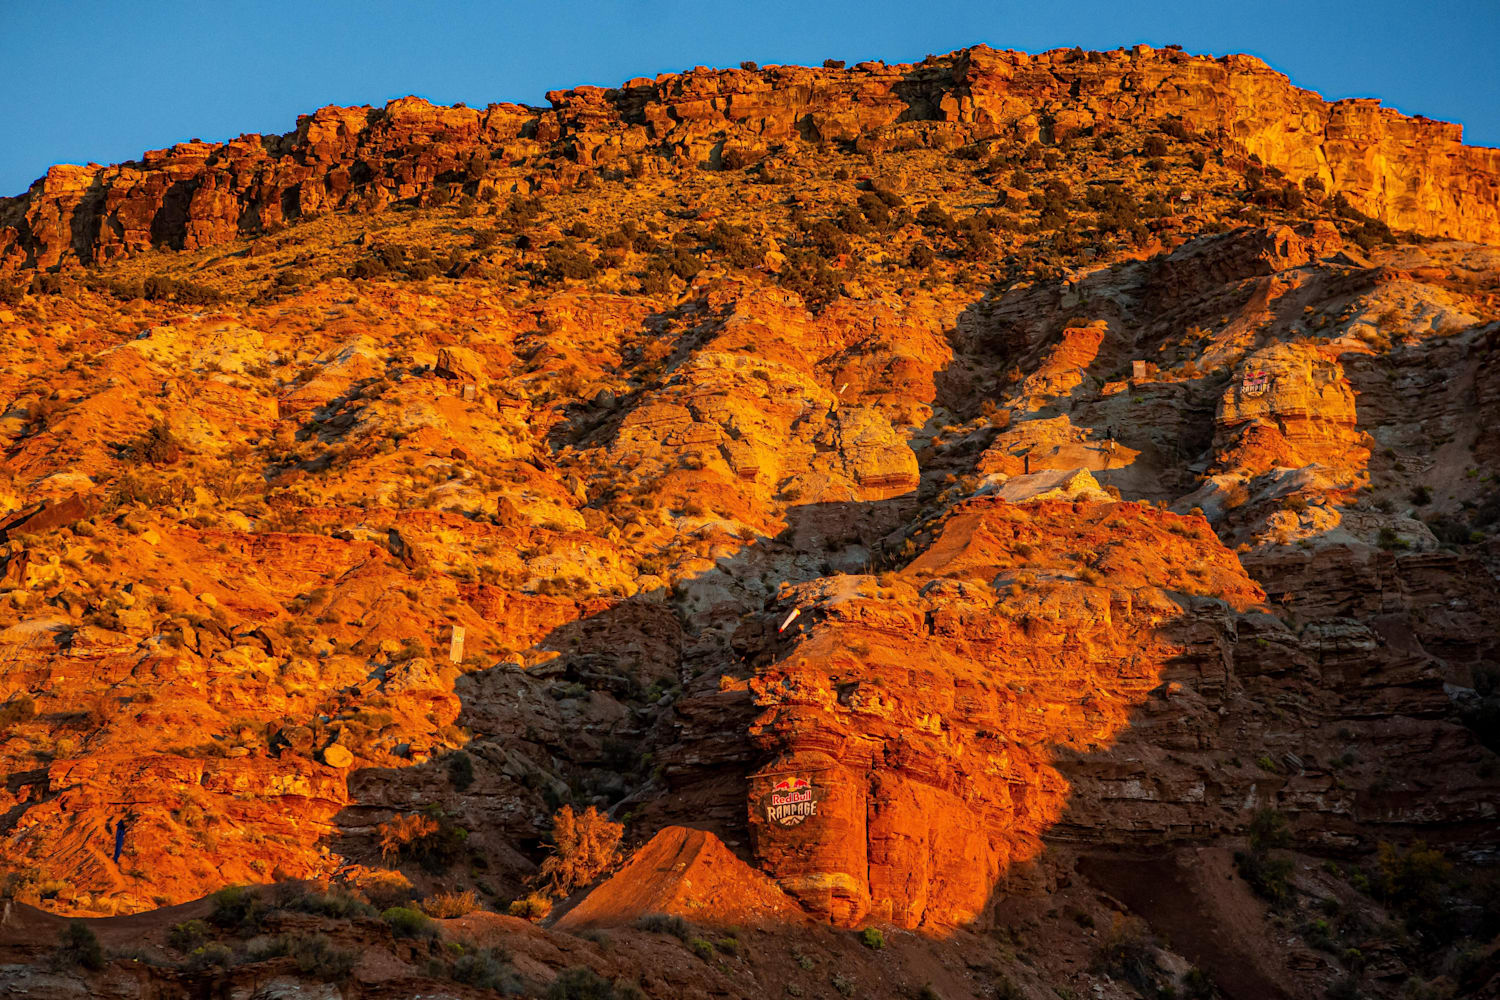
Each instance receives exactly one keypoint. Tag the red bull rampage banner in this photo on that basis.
(790, 801)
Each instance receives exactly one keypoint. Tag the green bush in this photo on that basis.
(406, 922)
(1127, 952)
(187, 935)
(487, 969)
(315, 955)
(78, 948)
(661, 923)
(211, 954)
(335, 904)
(871, 937)
(1268, 829)
(460, 770)
(569, 261)
(237, 908)
(1415, 882)
(1198, 985)
(581, 983)
(1390, 541)
(1269, 875)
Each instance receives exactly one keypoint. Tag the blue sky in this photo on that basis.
(104, 81)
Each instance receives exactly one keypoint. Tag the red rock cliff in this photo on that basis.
(1412, 173)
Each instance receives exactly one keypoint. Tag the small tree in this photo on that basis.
(400, 834)
(584, 845)
(78, 947)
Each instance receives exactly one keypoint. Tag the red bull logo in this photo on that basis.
(790, 801)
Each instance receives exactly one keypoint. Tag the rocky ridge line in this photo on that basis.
(1409, 172)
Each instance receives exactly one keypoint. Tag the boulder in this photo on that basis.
(337, 755)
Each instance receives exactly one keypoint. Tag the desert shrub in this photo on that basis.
(736, 244)
(675, 262)
(1415, 882)
(10, 293)
(387, 889)
(157, 446)
(1421, 496)
(807, 273)
(424, 839)
(978, 245)
(368, 267)
(662, 923)
(921, 255)
(486, 969)
(77, 947)
(1391, 541)
(1268, 829)
(872, 937)
(580, 983)
(160, 288)
(187, 935)
(406, 922)
(1269, 875)
(875, 210)
(584, 845)
(236, 908)
(749, 66)
(702, 947)
(209, 955)
(569, 261)
(1127, 953)
(832, 235)
(460, 770)
(933, 216)
(1198, 985)
(400, 835)
(533, 907)
(335, 904)
(446, 905)
(315, 955)
(20, 708)
(833, 64)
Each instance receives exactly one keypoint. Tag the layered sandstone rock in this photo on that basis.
(1412, 173)
(1291, 407)
(921, 715)
(410, 524)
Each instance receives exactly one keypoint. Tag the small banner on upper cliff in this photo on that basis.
(790, 801)
(1255, 383)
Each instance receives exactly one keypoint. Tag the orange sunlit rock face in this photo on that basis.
(1412, 173)
(370, 493)
(925, 708)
